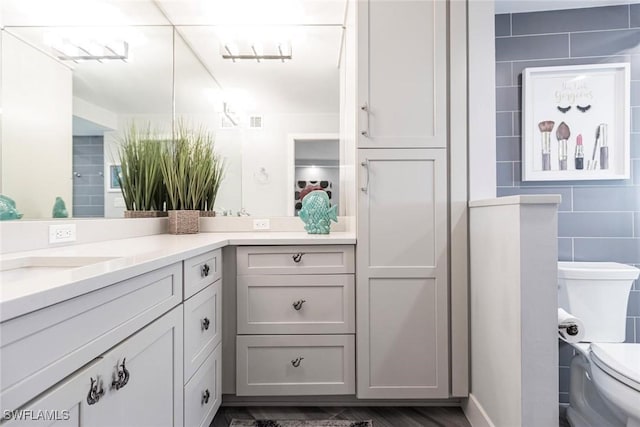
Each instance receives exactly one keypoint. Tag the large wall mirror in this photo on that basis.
(264, 77)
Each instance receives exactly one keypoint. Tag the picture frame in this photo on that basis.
(592, 101)
(114, 171)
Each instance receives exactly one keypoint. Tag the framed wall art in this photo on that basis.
(576, 122)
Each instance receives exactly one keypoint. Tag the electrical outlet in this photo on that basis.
(261, 224)
(62, 233)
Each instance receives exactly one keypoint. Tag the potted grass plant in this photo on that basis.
(192, 173)
(140, 179)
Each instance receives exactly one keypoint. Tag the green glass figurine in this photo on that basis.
(59, 209)
(317, 212)
(8, 209)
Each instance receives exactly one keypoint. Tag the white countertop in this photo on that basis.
(132, 257)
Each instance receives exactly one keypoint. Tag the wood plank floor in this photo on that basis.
(381, 416)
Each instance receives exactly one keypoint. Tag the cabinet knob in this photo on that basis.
(298, 257)
(296, 362)
(298, 304)
(205, 397)
(121, 377)
(95, 391)
(204, 324)
(204, 270)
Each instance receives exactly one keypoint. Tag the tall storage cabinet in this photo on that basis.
(402, 257)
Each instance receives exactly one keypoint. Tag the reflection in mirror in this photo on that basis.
(68, 93)
(254, 105)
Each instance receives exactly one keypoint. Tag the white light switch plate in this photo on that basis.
(62, 233)
(261, 224)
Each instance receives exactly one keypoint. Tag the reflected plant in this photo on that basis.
(140, 151)
(191, 169)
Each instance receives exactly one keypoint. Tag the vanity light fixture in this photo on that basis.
(87, 49)
(255, 51)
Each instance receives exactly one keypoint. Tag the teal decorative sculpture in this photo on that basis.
(59, 209)
(317, 212)
(8, 209)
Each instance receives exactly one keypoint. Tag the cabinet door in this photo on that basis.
(152, 394)
(402, 73)
(402, 297)
(65, 404)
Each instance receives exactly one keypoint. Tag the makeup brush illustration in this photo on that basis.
(563, 133)
(545, 128)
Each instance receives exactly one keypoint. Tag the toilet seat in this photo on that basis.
(619, 360)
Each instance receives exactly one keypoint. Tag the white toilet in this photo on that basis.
(605, 374)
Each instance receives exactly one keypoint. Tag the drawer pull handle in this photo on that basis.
(121, 378)
(204, 324)
(95, 394)
(296, 362)
(298, 304)
(205, 397)
(298, 257)
(204, 270)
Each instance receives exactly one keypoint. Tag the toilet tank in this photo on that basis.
(597, 293)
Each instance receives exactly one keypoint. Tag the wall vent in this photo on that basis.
(255, 122)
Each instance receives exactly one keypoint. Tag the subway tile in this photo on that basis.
(564, 192)
(563, 398)
(569, 20)
(503, 25)
(565, 249)
(517, 123)
(508, 148)
(635, 94)
(564, 379)
(88, 190)
(82, 160)
(595, 224)
(635, 145)
(97, 199)
(86, 150)
(504, 124)
(636, 224)
(565, 353)
(517, 174)
(504, 174)
(622, 250)
(633, 309)
(96, 180)
(503, 74)
(635, 171)
(88, 211)
(532, 47)
(610, 199)
(635, 119)
(508, 99)
(634, 19)
(600, 43)
(518, 66)
(630, 330)
(634, 60)
(81, 200)
(637, 319)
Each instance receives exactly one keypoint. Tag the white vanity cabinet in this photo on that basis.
(402, 258)
(202, 338)
(137, 383)
(296, 320)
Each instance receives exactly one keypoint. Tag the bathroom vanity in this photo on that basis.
(123, 339)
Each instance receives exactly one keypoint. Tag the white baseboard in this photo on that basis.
(475, 413)
(336, 400)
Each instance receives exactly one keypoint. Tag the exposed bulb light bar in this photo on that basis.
(256, 52)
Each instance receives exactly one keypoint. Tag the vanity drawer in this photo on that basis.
(201, 271)
(43, 347)
(203, 392)
(313, 259)
(296, 304)
(202, 326)
(289, 365)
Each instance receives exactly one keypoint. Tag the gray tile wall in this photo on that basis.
(598, 220)
(88, 188)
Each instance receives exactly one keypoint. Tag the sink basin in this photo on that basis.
(12, 270)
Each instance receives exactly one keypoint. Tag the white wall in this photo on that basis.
(36, 129)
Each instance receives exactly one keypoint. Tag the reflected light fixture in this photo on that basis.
(257, 51)
(81, 45)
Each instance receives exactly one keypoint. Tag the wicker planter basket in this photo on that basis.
(145, 214)
(184, 221)
(209, 214)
